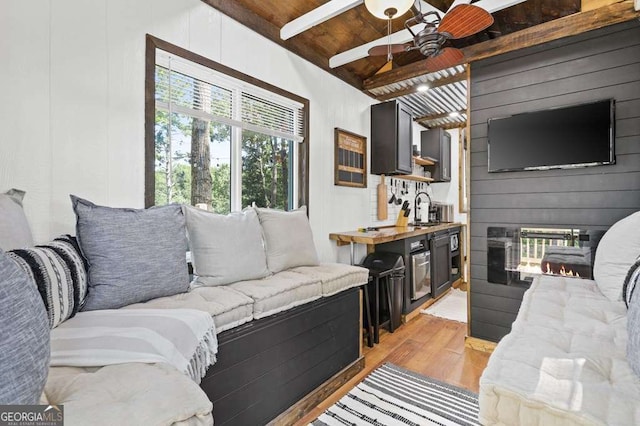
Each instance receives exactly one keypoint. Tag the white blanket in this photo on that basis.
(184, 338)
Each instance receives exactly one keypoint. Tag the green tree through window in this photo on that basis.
(213, 135)
(266, 165)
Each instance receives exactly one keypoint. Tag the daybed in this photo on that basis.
(265, 365)
(285, 323)
(567, 360)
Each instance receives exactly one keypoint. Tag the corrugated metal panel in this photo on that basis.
(439, 100)
(434, 102)
(415, 81)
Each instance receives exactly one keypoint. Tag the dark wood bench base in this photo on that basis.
(268, 365)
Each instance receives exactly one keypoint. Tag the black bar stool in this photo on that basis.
(383, 268)
(367, 312)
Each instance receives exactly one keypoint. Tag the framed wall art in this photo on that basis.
(350, 159)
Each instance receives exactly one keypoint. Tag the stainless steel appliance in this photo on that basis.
(421, 274)
(444, 212)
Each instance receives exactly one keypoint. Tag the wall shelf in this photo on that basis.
(425, 161)
(416, 178)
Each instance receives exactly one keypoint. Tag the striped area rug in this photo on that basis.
(391, 395)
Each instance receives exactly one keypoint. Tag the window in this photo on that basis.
(221, 139)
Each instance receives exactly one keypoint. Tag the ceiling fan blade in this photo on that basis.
(465, 20)
(447, 58)
(383, 49)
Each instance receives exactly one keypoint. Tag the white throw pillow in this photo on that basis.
(288, 239)
(617, 251)
(15, 232)
(225, 248)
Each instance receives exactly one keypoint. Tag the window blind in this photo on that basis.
(186, 87)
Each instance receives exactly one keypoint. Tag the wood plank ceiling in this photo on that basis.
(528, 23)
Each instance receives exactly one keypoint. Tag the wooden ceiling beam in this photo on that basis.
(413, 88)
(553, 30)
(317, 16)
(249, 19)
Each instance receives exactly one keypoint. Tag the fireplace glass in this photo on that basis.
(517, 255)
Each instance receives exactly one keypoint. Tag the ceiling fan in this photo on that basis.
(461, 21)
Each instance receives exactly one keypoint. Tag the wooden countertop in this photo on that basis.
(387, 234)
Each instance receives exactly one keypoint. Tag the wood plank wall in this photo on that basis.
(592, 66)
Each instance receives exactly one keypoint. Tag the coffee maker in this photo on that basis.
(433, 213)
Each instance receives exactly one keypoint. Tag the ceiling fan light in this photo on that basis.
(388, 9)
(422, 88)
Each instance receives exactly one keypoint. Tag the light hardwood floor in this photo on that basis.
(427, 345)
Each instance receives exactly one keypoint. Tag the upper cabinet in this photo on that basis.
(436, 143)
(391, 144)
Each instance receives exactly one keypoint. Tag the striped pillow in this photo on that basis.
(633, 277)
(60, 273)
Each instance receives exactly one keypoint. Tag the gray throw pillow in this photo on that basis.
(225, 248)
(132, 255)
(633, 329)
(24, 336)
(288, 238)
(14, 228)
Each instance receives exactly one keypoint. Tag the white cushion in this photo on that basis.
(225, 249)
(14, 228)
(279, 292)
(335, 277)
(127, 394)
(229, 308)
(617, 251)
(288, 238)
(564, 362)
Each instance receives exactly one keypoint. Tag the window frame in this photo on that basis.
(154, 43)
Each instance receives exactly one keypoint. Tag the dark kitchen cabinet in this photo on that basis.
(436, 143)
(391, 138)
(443, 260)
(440, 263)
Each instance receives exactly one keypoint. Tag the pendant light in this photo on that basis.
(388, 9)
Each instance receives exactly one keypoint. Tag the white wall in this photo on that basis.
(73, 110)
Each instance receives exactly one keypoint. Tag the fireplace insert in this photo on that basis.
(517, 255)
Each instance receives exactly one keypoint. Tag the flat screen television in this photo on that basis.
(566, 137)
